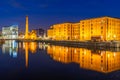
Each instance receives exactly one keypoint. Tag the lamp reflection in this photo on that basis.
(101, 61)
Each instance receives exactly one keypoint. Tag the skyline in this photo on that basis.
(44, 13)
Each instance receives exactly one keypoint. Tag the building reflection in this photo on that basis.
(11, 47)
(32, 46)
(101, 61)
(26, 54)
(97, 60)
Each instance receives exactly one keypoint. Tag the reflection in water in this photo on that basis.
(102, 61)
(26, 54)
(42, 46)
(32, 46)
(10, 47)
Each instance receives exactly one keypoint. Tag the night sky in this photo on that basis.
(44, 13)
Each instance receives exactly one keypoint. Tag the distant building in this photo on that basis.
(10, 32)
(40, 32)
(32, 35)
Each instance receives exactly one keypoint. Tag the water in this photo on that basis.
(35, 61)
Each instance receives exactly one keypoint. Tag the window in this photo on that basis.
(83, 29)
(101, 32)
(91, 32)
(83, 37)
(102, 27)
(91, 24)
(101, 61)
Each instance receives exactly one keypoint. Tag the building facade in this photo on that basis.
(100, 29)
(95, 29)
(10, 32)
(32, 35)
(50, 33)
(64, 31)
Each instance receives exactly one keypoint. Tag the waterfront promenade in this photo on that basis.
(107, 44)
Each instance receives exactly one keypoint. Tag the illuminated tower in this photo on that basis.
(26, 28)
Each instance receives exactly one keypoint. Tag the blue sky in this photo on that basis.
(44, 13)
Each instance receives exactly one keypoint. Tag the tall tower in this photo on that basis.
(26, 28)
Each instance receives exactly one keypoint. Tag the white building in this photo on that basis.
(10, 32)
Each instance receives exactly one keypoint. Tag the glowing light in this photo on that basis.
(114, 54)
(75, 50)
(66, 49)
(84, 52)
(108, 55)
(114, 36)
(108, 36)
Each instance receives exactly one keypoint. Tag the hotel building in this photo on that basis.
(96, 29)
